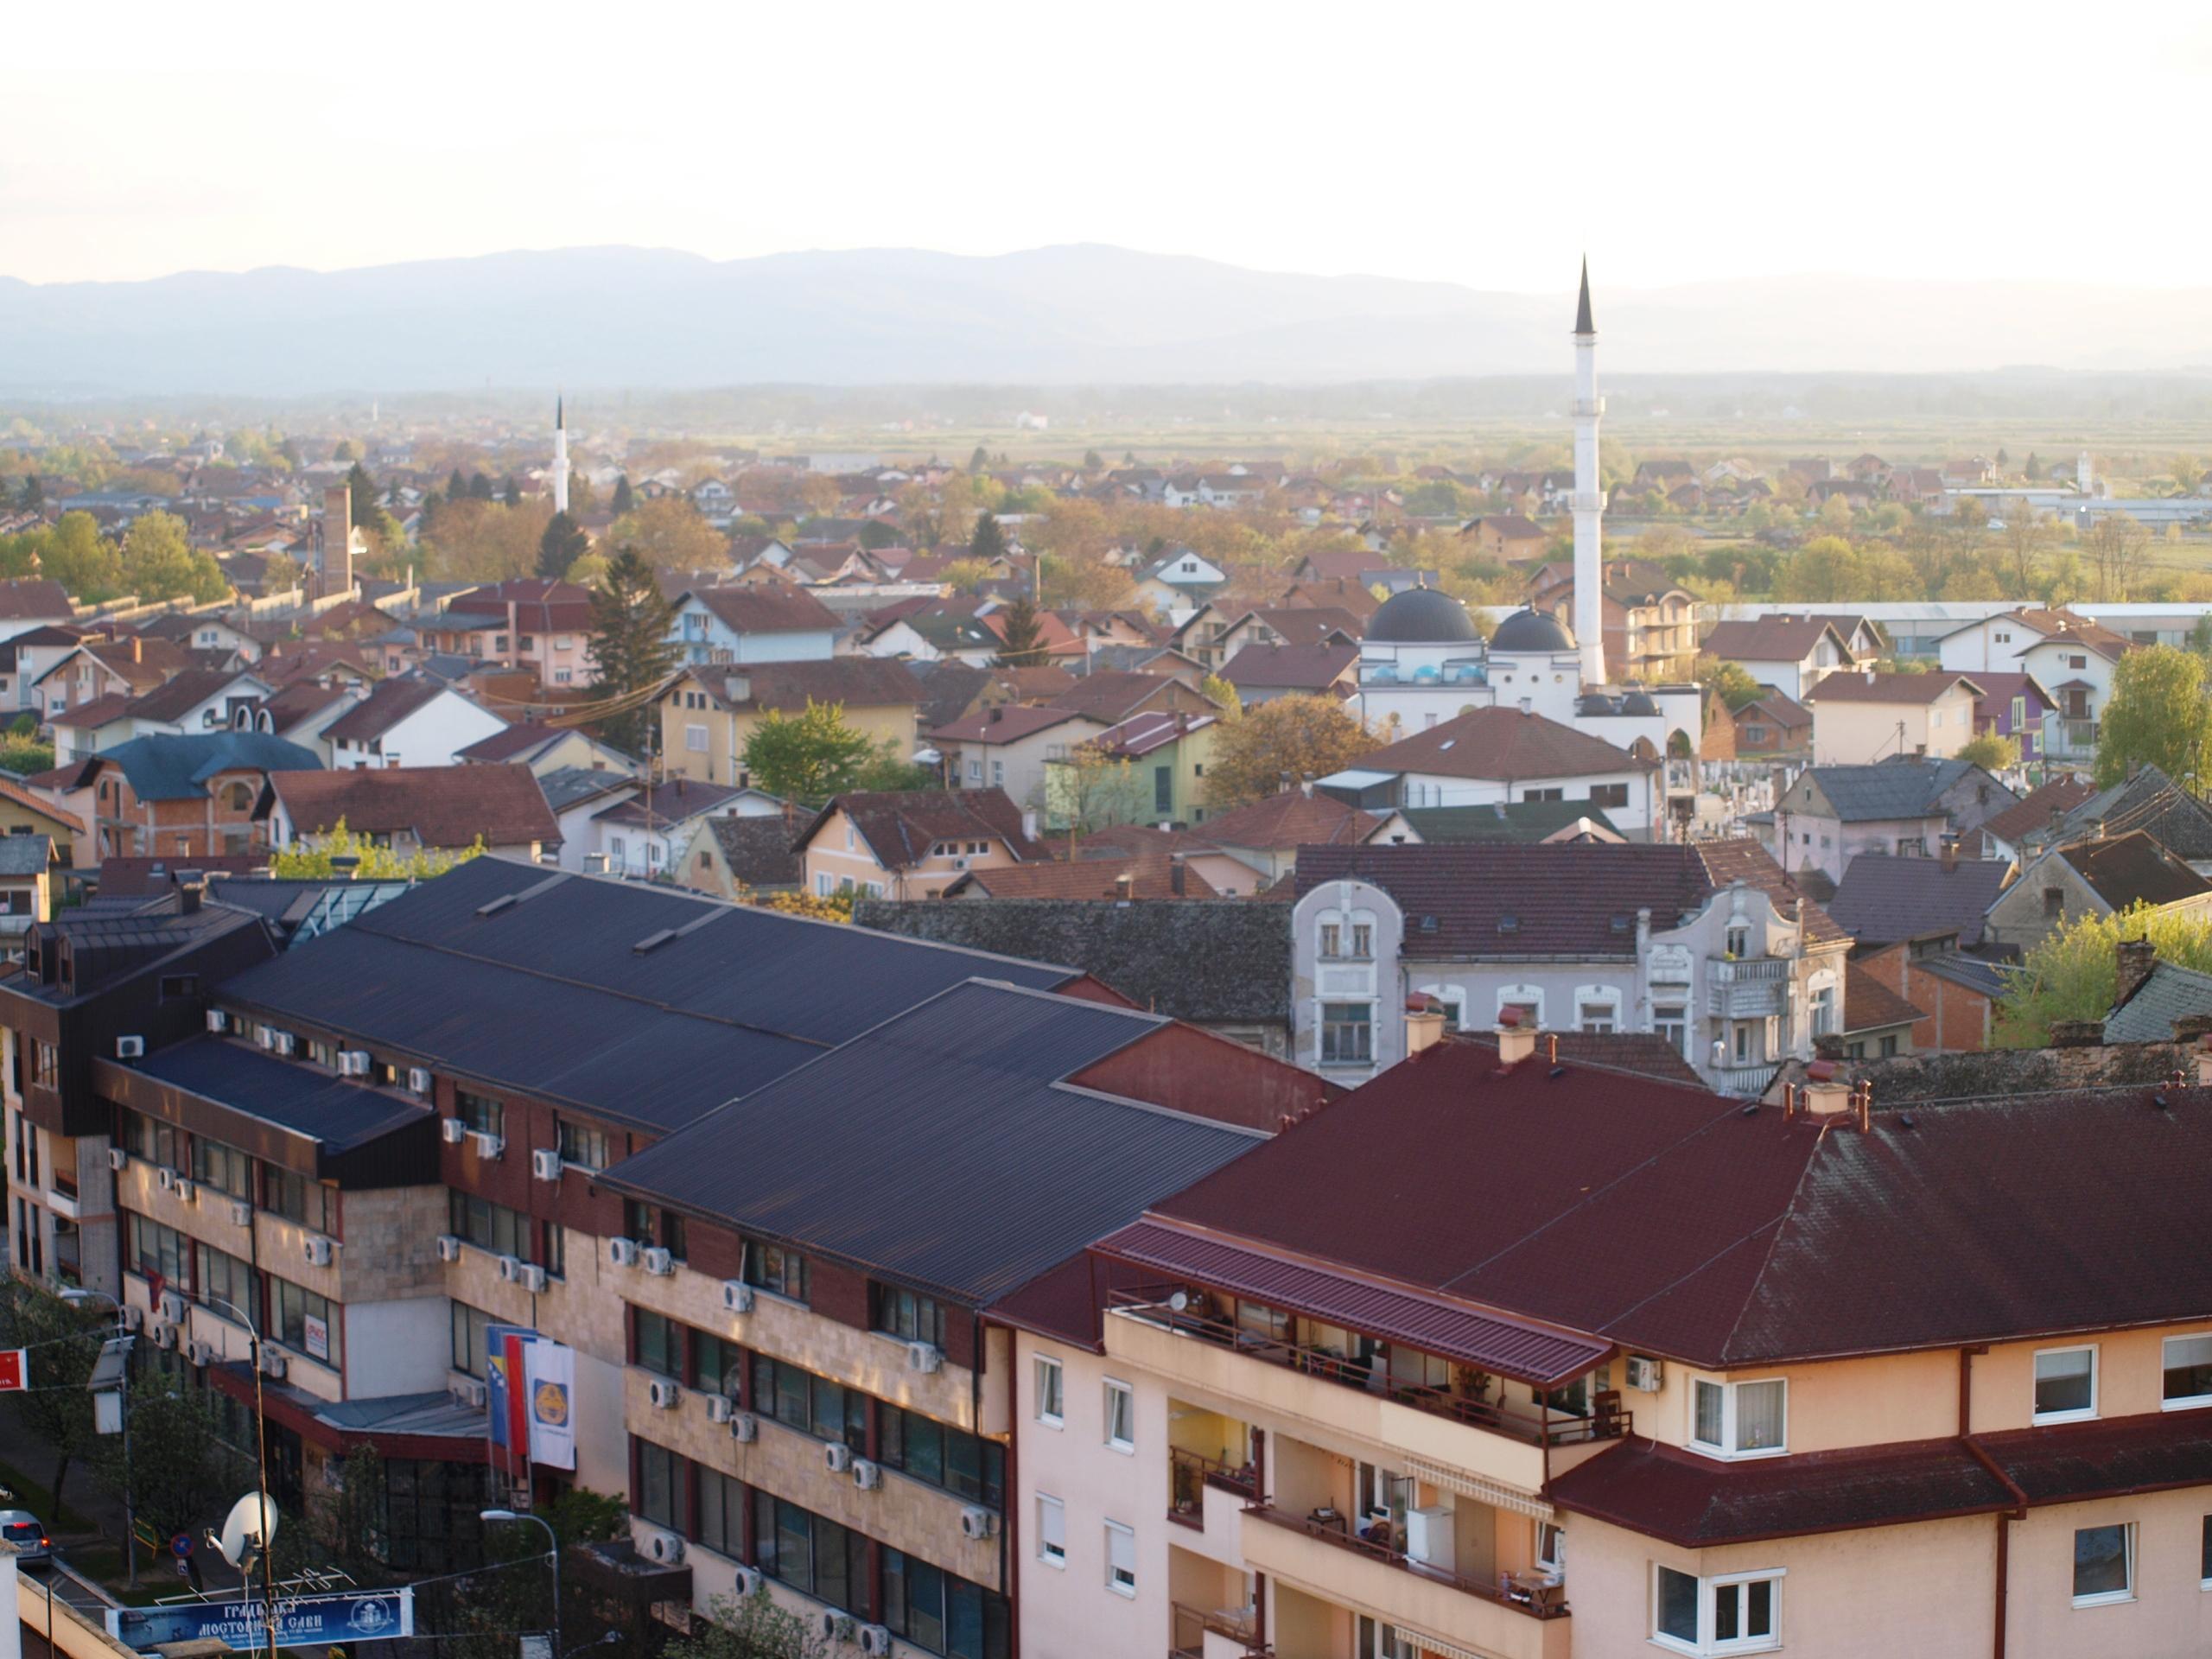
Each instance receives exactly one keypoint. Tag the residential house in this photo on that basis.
(411, 809)
(1649, 624)
(26, 864)
(1769, 728)
(1260, 673)
(1223, 871)
(94, 668)
(202, 631)
(25, 812)
(1829, 815)
(736, 857)
(1865, 717)
(642, 833)
(544, 749)
(575, 796)
(1790, 653)
(1507, 538)
(2037, 814)
(1116, 696)
(1218, 631)
(2094, 878)
(2014, 706)
(2071, 656)
(1521, 821)
(2150, 801)
(1878, 1023)
(91, 727)
(27, 656)
(741, 626)
(1707, 944)
(1507, 755)
(1886, 899)
(708, 712)
(2156, 1001)
(303, 710)
(1956, 994)
(30, 603)
(177, 797)
(530, 623)
(1008, 746)
(1149, 768)
(1265, 834)
(912, 845)
(1152, 874)
(1178, 583)
(413, 722)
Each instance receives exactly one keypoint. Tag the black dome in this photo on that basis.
(1638, 703)
(1529, 630)
(1421, 616)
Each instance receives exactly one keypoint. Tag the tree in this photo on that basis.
(361, 500)
(809, 756)
(302, 862)
(980, 460)
(159, 563)
(1730, 681)
(563, 543)
(2157, 715)
(2022, 545)
(986, 541)
(64, 1341)
(753, 1627)
(1224, 695)
(279, 572)
(1992, 753)
(2073, 972)
(1093, 461)
(82, 560)
(484, 541)
(668, 534)
(821, 908)
(32, 497)
(1092, 790)
(887, 771)
(2031, 468)
(179, 1474)
(511, 491)
(456, 486)
(1283, 737)
(2115, 545)
(631, 649)
(1021, 640)
(480, 487)
(624, 500)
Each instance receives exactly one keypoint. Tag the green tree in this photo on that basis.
(631, 650)
(279, 572)
(302, 862)
(2157, 715)
(987, 540)
(887, 770)
(158, 563)
(1021, 639)
(82, 560)
(1224, 695)
(2073, 973)
(563, 543)
(361, 500)
(1093, 461)
(32, 497)
(751, 1628)
(480, 487)
(179, 1475)
(1991, 751)
(1283, 737)
(456, 486)
(624, 500)
(1730, 681)
(980, 460)
(1825, 570)
(63, 1341)
(809, 756)
(510, 493)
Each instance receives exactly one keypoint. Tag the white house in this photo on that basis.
(408, 722)
(768, 623)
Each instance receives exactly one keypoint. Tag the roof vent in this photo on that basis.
(653, 941)
(1428, 923)
(1507, 922)
(496, 906)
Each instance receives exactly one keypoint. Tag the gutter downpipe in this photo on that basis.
(2005, 1517)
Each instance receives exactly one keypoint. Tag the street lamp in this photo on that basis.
(261, 1462)
(552, 1538)
(84, 1297)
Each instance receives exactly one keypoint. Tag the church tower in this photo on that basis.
(1589, 496)
(560, 456)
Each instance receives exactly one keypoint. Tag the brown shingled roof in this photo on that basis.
(769, 608)
(1502, 743)
(1292, 819)
(441, 806)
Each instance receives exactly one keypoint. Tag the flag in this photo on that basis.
(496, 1395)
(518, 1413)
(550, 1375)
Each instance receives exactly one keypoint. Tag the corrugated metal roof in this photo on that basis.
(1504, 1345)
(337, 1112)
(940, 1149)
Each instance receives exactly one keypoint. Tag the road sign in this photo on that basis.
(14, 1369)
(242, 1625)
(181, 1546)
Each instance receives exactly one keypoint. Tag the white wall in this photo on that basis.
(397, 1347)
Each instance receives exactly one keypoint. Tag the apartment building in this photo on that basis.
(1650, 1370)
(708, 712)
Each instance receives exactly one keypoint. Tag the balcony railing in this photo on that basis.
(1751, 971)
(1536, 1600)
(1192, 1625)
(1467, 1404)
(1751, 1080)
(1189, 1473)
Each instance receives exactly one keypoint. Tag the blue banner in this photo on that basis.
(243, 1625)
(495, 1374)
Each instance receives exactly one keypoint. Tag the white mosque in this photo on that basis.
(1423, 662)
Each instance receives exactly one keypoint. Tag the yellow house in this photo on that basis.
(709, 710)
(912, 845)
(1862, 717)
(23, 812)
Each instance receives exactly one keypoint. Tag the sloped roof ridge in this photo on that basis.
(1780, 1225)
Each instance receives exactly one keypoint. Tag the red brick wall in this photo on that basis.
(1957, 1019)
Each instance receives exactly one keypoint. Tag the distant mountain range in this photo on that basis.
(651, 318)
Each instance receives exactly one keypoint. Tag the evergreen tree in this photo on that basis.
(456, 486)
(2033, 467)
(561, 546)
(512, 494)
(980, 460)
(624, 500)
(1093, 461)
(1023, 644)
(480, 487)
(361, 499)
(987, 542)
(630, 648)
(33, 493)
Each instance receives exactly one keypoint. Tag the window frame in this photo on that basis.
(1726, 1450)
(2071, 1414)
(2129, 1561)
(2180, 1402)
(1705, 1644)
(1118, 1532)
(1126, 1444)
(1042, 1365)
(1051, 1555)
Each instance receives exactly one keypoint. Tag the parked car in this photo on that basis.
(29, 1534)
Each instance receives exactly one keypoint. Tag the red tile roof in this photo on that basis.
(441, 806)
(1151, 877)
(767, 607)
(1005, 722)
(1867, 1003)
(1115, 695)
(59, 777)
(1772, 639)
(1293, 819)
(1502, 743)
(1297, 668)
(1871, 687)
(854, 682)
(2134, 868)
(899, 827)
(2025, 817)
(389, 703)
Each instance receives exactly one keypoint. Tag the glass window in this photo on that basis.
(901, 1313)
(1121, 1558)
(489, 1226)
(2204, 1563)
(2188, 1372)
(469, 1338)
(2104, 1565)
(1596, 1017)
(2066, 1384)
(815, 1557)
(221, 1276)
(1051, 1530)
(225, 1168)
(1050, 1380)
(159, 1250)
(481, 1113)
(304, 1321)
(1738, 1420)
(1347, 1033)
(582, 1145)
(299, 1198)
(659, 1343)
(939, 1455)
(1121, 1417)
(721, 1510)
(1736, 1612)
(659, 1479)
(717, 1366)
(1551, 1546)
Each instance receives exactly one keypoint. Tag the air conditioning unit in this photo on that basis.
(737, 1296)
(353, 1062)
(486, 1147)
(287, 1045)
(545, 1164)
(117, 1159)
(241, 1213)
(718, 1409)
(622, 1252)
(448, 1247)
(218, 1021)
(1645, 1375)
(130, 1048)
(923, 1356)
(743, 1427)
(199, 1353)
(317, 1250)
(418, 1079)
(664, 1392)
(531, 1278)
(875, 1639)
(658, 1260)
(866, 1475)
(977, 1522)
(747, 1582)
(837, 1457)
(172, 1309)
(129, 1317)
(455, 1131)
(274, 1364)
(470, 1395)
(165, 1179)
(163, 1333)
(666, 1547)
(510, 1269)
(185, 1189)
(266, 1037)
(833, 1626)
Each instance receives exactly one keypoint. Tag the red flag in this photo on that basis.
(518, 1402)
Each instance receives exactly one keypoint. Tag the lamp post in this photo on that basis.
(553, 1542)
(84, 1297)
(261, 1462)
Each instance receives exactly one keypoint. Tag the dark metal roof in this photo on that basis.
(940, 1149)
(547, 995)
(1532, 631)
(339, 1113)
(1583, 325)
(1884, 897)
(2168, 992)
(2134, 868)
(1515, 821)
(1421, 616)
(1890, 789)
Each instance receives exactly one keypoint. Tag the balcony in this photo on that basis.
(1219, 1633)
(1748, 1081)
(1750, 990)
(2068, 740)
(1192, 1475)
(1509, 1617)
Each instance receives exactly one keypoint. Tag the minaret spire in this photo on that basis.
(1582, 323)
(560, 454)
(1589, 495)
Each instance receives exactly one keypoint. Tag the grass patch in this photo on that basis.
(34, 1495)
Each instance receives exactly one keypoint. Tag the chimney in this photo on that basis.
(137, 648)
(1306, 784)
(191, 888)
(1950, 844)
(1029, 823)
(336, 565)
(1516, 1037)
(998, 713)
(1826, 1094)
(2077, 1034)
(1175, 882)
(2133, 959)
(1125, 888)
(737, 688)
(1424, 1024)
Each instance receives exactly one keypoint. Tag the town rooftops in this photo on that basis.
(331, 1115)
(32, 597)
(899, 826)
(765, 607)
(25, 855)
(642, 1006)
(1147, 730)
(1756, 1241)
(1888, 789)
(1774, 638)
(440, 806)
(179, 768)
(1292, 819)
(516, 742)
(2150, 802)
(1114, 695)
(1522, 821)
(1502, 743)
(1009, 722)
(1868, 1003)
(758, 850)
(1290, 668)
(855, 681)
(2132, 869)
(177, 696)
(828, 1156)
(2169, 992)
(678, 800)
(1884, 897)
(2034, 811)
(1869, 686)
(389, 703)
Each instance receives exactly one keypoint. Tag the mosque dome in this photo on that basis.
(1421, 616)
(1535, 632)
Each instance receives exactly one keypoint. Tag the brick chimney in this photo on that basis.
(1826, 1092)
(1175, 878)
(1517, 1037)
(336, 565)
(1424, 1024)
(2133, 960)
(1950, 845)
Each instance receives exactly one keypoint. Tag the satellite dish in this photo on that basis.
(1178, 1302)
(241, 1539)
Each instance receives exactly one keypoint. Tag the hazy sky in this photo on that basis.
(1476, 142)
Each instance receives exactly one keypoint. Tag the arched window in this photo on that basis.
(237, 797)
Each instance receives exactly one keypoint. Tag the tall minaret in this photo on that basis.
(1589, 497)
(560, 456)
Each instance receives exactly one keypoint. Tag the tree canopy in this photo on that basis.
(303, 862)
(564, 541)
(809, 756)
(2074, 972)
(2157, 715)
(1022, 642)
(630, 650)
(1285, 735)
